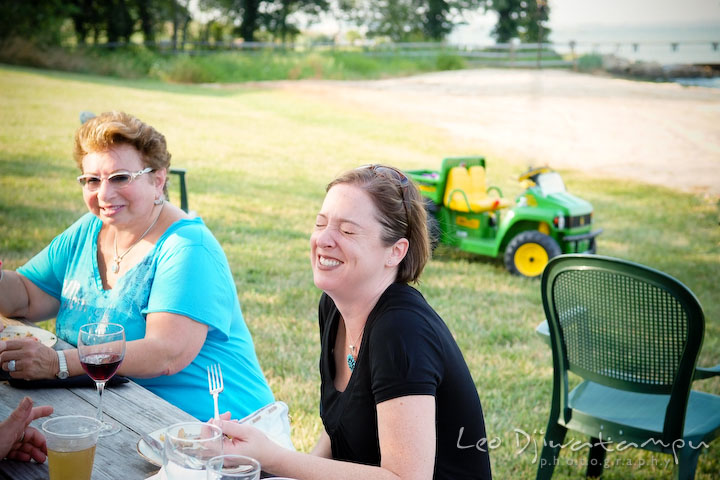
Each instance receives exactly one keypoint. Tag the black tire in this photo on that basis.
(433, 225)
(529, 252)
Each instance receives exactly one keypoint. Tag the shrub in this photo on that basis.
(446, 61)
(19, 51)
(184, 69)
(590, 62)
(356, 64)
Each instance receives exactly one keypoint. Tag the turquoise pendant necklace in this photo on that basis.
(351, 356)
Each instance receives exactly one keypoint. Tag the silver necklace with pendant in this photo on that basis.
(118, 258)
(351, 356)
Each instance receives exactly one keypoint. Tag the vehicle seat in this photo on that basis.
(466, 191)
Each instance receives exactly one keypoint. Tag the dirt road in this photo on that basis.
(659, 133)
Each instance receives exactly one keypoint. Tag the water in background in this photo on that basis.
(697, 44)
(665, 44)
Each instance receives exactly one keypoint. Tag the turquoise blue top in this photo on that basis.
(187, 273)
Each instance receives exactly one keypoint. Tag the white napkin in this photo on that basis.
(273, 421)
(186, 474)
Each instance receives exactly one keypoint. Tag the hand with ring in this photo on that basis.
(20, 441)
(27, 359)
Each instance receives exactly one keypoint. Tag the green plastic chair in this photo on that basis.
(633, 335)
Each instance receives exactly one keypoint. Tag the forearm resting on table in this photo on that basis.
(144, 358)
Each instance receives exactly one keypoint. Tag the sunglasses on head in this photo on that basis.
(117, 180)
(394, 174)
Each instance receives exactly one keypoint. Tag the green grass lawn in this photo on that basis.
(258, 161)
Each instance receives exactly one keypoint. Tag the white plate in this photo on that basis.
(148, 453)
(18, 332)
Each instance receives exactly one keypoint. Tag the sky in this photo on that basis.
(574, 14)
(614, 20)
(566, 13)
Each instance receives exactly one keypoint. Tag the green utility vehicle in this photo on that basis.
(544, 221)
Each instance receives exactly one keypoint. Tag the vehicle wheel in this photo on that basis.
(529, 252)
(434, 230)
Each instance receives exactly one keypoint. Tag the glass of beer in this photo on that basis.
(233, 467)
(71, 444)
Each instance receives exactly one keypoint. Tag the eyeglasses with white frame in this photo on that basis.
(117, 180)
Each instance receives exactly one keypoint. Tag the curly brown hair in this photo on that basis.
(117, 128)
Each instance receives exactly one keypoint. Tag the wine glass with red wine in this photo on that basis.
(101, 348)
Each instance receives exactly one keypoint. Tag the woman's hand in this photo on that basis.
(241, 439)
(33, 360)
(20, 441)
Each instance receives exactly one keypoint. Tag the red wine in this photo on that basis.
(101, 366)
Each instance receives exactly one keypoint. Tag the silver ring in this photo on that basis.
(11, 366)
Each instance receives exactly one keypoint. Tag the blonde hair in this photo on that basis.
(401, 212)
(119, 128)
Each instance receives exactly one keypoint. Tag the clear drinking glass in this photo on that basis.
(101, 348)
(188, 447)
(233, 467)
(71, 444)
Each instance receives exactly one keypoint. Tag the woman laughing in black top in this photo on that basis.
(397, 399)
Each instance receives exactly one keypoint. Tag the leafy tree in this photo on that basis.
(119, 23)
(180, 13)
(147, 18)
(536, 30)
(395, 19)
(244, 14)
(38, 20)
(273, 16)
(86, 18)
(405, 20)
(117, 20)
(439, 17)
(520, 19)
(250, 15)
(276, 14)
(509, 19)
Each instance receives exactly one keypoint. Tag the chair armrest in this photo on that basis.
(497, 189)
(702, 373)
(464, 196)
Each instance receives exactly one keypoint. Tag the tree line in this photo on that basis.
(116, 21)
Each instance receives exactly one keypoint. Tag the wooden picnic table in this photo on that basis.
(136, 409)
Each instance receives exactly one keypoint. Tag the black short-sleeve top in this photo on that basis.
(407, 349)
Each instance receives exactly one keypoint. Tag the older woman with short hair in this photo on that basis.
(397, 400)
(139, 261)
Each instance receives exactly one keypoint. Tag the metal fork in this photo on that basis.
(215, 382)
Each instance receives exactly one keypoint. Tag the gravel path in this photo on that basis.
(659, 133)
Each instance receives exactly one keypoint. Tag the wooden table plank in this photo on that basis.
(136, 409)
